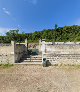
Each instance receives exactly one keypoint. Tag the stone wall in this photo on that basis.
(60, 52)
(6, 54)
(63, 49)
(63, 58)
(13, 52)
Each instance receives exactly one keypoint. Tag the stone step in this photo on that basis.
(36, 56)
(32, 58)
(32, 61)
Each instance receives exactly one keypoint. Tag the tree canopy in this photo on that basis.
(58, 34)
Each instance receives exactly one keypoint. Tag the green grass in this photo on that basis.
(76, 66)
(68, 66)
(6, 65)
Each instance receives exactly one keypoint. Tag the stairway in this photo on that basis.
(32, 59)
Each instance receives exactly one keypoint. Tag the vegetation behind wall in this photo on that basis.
(58, 34)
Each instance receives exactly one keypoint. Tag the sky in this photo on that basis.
(36, 15)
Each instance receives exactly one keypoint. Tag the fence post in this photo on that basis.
(30, 58)
(13, 44)
(40, 43)
(26, 47)
(43, 48)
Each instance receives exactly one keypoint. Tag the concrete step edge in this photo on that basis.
(32, 60)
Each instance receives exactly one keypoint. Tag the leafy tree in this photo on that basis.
(12, 34)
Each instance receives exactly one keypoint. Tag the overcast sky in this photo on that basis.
(36, 15)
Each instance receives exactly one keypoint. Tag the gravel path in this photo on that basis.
(31, 78)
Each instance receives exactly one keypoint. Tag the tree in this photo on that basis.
(56, 26)
(12, 34)
(66, 33)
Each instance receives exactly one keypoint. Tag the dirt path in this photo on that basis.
(22, 78)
